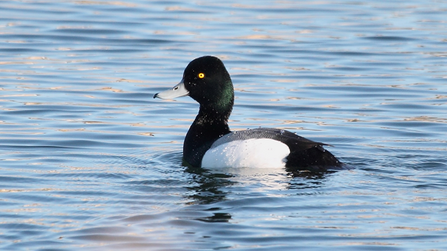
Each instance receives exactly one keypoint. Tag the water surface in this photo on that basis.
(90, 161)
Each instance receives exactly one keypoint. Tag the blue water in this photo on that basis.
(90, 161)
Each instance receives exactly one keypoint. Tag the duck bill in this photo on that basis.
(175, 92)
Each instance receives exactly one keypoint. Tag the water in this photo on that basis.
(90, 161)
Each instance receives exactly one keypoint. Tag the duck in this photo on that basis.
(209, 142)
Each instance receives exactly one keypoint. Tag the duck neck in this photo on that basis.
(210, 124)
(212, 116)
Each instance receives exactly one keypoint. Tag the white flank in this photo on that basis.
(252, 153)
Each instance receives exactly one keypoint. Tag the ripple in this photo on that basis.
(390, 38)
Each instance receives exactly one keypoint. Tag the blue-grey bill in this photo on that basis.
(175, 92)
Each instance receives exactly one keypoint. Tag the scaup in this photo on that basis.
(209, 142)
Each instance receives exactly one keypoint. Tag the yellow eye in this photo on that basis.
(201, 75)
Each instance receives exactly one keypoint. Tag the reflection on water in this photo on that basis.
(207, 187)
(89, 160)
